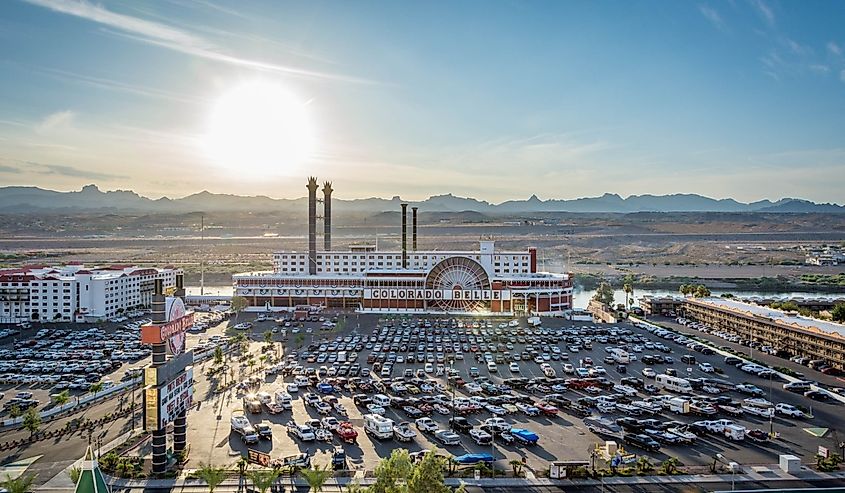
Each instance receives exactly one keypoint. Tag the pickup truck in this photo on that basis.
(480, 436)
(460, 424)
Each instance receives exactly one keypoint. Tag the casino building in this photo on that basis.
(407, 281)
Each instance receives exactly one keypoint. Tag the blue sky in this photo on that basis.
(496, 100)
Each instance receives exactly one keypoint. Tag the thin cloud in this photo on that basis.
(117, 86)
(842, 76)
(55, 120)
(17, 166)
(834, 48)
(171, 38)
(713, 16)
(765, 11)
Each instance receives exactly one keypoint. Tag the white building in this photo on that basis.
(77, 293)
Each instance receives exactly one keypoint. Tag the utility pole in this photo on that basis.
(202, 259)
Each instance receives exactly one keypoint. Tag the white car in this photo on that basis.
(527, 409)
(496, 410)
(706, 367)
(292, 387)
(789, 410)
(375, 409)
(514, 368)
(649, 373)
(426, 424)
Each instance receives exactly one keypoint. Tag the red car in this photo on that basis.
(547, 409)
(346, 432)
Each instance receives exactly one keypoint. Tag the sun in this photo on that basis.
(259, 128)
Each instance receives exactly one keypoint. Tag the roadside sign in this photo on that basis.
(258, 457)
(824, 452)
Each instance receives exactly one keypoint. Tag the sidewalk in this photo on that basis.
(773, 474)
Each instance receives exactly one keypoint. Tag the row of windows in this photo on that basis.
(514, 258)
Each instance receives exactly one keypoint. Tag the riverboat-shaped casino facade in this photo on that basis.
(407, 281)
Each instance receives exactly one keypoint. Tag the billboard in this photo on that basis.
(258, 457)
(173, 331)
(163, 403)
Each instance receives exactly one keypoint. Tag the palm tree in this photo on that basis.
(516, 464)
(213, 476)
(263, 479)
(95, 388)
(628, 288)
(315, 478)
(62, 398)
(22, 484)
(644, 465)
(31, 421)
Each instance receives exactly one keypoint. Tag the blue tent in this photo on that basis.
(473, 458)
(524, 435)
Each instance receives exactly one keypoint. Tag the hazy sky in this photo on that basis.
(491, 99)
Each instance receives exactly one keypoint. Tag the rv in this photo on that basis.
(283, 399)
(620, 356)
(674, 384)
(378, 426)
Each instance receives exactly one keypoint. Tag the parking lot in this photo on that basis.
(38, 362)
(463, 346)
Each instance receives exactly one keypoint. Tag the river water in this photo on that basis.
(581, 297)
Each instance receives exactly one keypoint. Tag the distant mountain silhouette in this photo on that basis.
(91, 198)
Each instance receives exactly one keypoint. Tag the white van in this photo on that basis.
(381, 400)
(675, 384)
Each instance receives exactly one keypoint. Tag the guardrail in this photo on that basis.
(83, 401)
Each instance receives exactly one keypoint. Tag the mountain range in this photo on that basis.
(91, 199)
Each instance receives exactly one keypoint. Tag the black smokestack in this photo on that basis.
(404, 236)
(312, 225)
(327, 216)
(414, 228)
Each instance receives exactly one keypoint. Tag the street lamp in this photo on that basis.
(730, 464)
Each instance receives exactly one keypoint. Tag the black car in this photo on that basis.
(630, 424)
(635, 382)
(642, 441)
(817, 395)
(460, 424)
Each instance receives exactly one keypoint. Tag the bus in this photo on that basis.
(620, 356)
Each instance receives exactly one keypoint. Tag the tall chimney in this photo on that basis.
(327, 216)
(404, 236)
(312, 225)
(414, 228)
